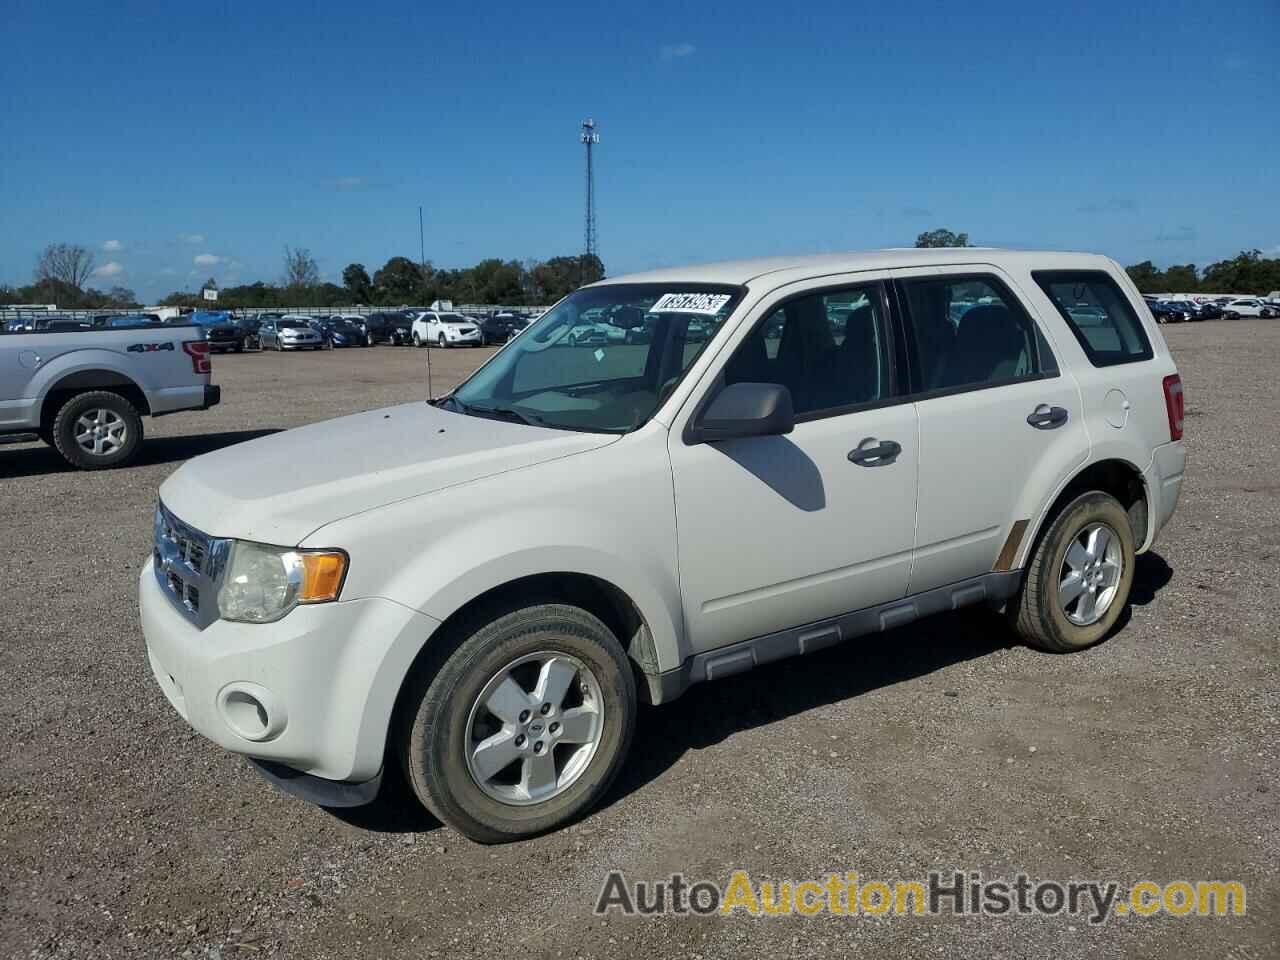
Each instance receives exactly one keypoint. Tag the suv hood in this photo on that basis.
(280, 488)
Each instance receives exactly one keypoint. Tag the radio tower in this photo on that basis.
(590, 138)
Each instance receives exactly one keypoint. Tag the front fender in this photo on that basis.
(607, 513)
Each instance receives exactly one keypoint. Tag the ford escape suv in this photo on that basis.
(479, 588)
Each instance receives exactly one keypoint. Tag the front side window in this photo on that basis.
(829, 349)
(604, 359)
(971, 332)
(1098, 313)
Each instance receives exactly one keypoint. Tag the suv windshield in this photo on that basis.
(603, 360)
(453, 318)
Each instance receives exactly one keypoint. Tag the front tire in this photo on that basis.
(97, 430)
(443, 343)
(1078, 580)
(523, 726)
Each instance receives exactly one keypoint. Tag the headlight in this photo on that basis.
(263, 583)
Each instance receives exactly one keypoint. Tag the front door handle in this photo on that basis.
(1045, 417)
(875, 453)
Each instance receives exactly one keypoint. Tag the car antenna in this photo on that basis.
(422, 276)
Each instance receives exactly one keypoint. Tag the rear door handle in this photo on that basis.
(875, 453)
(1045, 417)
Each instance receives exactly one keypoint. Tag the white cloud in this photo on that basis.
(206, 260)
(348, 183)
(168, 272)
(673, 51)
(109, 269)
(112, 245)
(191, 237)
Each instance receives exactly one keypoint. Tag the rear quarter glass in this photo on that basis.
(1099, 314)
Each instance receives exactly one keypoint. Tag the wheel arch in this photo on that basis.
(599, 597)
(1116, 476)
(84, 381)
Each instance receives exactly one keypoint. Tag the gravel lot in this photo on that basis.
(939, 746)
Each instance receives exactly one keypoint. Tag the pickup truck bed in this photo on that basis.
(84, 392)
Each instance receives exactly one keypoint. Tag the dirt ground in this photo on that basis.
(943, 745)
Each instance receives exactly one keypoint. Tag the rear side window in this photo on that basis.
(1098, 313)
(970, 332)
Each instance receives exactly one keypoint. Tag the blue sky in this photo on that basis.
(182, 141)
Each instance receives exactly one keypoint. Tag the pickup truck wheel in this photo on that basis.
(97, 430)
(1078, 581)
(523, 727)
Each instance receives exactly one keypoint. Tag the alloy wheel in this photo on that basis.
(534, 728)
(1090, 576)
(101, 432)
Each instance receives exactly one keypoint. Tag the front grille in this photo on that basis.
(188, 565)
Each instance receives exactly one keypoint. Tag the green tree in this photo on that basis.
(560, 276)
(356, 279)
(122, 297)
(399, 281)
(942, 238)
(1146, 277)
(1247, 272)
(1182, 279)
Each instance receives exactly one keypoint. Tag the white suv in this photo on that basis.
(1248, 307)
(438, 329)
(481, 588)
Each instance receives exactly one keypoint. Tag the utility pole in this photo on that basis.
(589, 138)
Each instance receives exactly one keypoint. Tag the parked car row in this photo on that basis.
(1184, 310)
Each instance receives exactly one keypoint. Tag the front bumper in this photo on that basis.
(1163, 479)
(313, 691)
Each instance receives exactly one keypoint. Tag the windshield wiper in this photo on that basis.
(494, 413)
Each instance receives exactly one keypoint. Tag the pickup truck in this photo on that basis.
(84, 392)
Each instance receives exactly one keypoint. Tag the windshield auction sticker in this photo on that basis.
(706, 303)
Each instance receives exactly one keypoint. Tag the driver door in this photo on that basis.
(780, 531)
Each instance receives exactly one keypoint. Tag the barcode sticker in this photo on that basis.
(706, 303)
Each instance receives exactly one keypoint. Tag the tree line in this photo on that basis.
(1247, 272)
(63, 270)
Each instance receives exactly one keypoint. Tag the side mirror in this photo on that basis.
(746, 410)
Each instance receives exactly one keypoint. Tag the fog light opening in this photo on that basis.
(252, 712)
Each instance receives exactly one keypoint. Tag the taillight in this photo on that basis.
(1173, 403)
(198, 351)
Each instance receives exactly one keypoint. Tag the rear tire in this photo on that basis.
(1072, 595)
(443, 343)
(417, 340)
(97, 430)
(521, 651)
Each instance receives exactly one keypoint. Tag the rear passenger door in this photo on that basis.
(999, 422)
